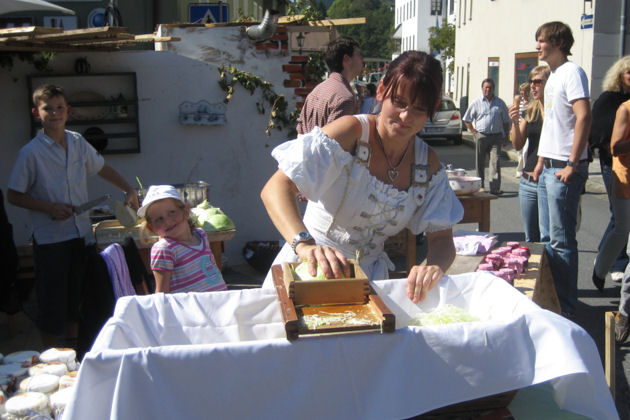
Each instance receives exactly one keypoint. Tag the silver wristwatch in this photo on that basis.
(299, 238)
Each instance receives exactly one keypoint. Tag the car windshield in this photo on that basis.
(447, 105)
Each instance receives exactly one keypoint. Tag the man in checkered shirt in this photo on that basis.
(333, 98)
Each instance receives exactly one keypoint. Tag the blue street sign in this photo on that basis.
(208, 13)
(586, 21)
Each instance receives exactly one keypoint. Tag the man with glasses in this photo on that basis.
(333, 98)
(562, 157)
(491, 125)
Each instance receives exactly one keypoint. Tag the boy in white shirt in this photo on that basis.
(562, 157)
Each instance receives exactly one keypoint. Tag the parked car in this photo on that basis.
(447, 123)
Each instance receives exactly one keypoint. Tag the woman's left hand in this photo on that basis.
(421, 279)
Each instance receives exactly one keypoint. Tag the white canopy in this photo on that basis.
(12, 6)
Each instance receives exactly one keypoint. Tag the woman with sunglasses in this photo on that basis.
(367, 177)
(528, 129)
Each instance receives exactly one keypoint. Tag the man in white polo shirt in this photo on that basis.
(562, 157)
(491, 125)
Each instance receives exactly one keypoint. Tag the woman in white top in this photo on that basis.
(367, 177)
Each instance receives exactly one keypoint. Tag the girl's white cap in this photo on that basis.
(156, 193)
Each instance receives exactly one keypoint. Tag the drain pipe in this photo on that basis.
(622, 28)
(266, 28)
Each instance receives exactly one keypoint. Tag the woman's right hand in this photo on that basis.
(332, 262)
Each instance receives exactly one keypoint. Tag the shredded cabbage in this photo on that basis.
(446, 314)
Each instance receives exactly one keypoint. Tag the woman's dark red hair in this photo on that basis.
(422, 73)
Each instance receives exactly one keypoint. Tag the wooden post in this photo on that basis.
(609, 352)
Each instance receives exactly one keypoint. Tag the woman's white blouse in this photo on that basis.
(353, 211)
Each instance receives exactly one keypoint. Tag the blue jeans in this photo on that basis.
(558, 206)
(622, 259)
(528, 199)
(617, 238)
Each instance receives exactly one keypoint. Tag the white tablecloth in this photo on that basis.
(224, 355)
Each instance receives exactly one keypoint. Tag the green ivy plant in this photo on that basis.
(315, 67)
(306, 10)
(40, 61)
(242, 17)
(279, 116)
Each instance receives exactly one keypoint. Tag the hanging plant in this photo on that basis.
(315, 67)
(279, 116)
(305, 11)
(40, 60)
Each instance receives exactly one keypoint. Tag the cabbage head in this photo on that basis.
(301, 272)
(211, 219)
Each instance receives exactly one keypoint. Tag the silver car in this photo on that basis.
(447, 123)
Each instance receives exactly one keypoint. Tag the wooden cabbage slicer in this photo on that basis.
(332, 306)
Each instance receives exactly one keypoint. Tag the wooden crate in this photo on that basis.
(374, 315)
(354, 289)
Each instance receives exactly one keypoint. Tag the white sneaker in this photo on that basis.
(616, 276)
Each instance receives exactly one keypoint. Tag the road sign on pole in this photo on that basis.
(208, 13)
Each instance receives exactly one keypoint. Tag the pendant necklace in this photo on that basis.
(392, 172)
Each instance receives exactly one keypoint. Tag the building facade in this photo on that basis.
(413, 20)
(496, 39)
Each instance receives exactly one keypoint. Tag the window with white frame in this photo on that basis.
(436, 7)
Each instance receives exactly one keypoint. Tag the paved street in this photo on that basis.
(505, 221)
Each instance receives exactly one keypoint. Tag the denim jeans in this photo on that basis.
(528, 199)
(617, 238)
(622, 259)
(624, 298)
(558, 206)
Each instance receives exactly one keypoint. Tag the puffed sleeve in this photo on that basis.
(161, 257)
(313, 162)
(441, 209)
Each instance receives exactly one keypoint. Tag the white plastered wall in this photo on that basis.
(234, 158)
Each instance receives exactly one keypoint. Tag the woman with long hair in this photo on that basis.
(616, 87)
(528, 129)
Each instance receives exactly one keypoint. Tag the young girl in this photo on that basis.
(181, 260)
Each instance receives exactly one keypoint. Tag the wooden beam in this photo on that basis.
(155, 38)
(325, 22)
(306, 28)
(28, 31)
(88, 33)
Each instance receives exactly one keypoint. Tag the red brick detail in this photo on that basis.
(297, 76)
(299, 104)
(302, 91)
(311, 85)
(280, 37)
(292, 83)
(292, 68)
(299, 59)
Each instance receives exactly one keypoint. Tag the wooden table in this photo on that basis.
(110, 231)
(536, 283)
(476, 210)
